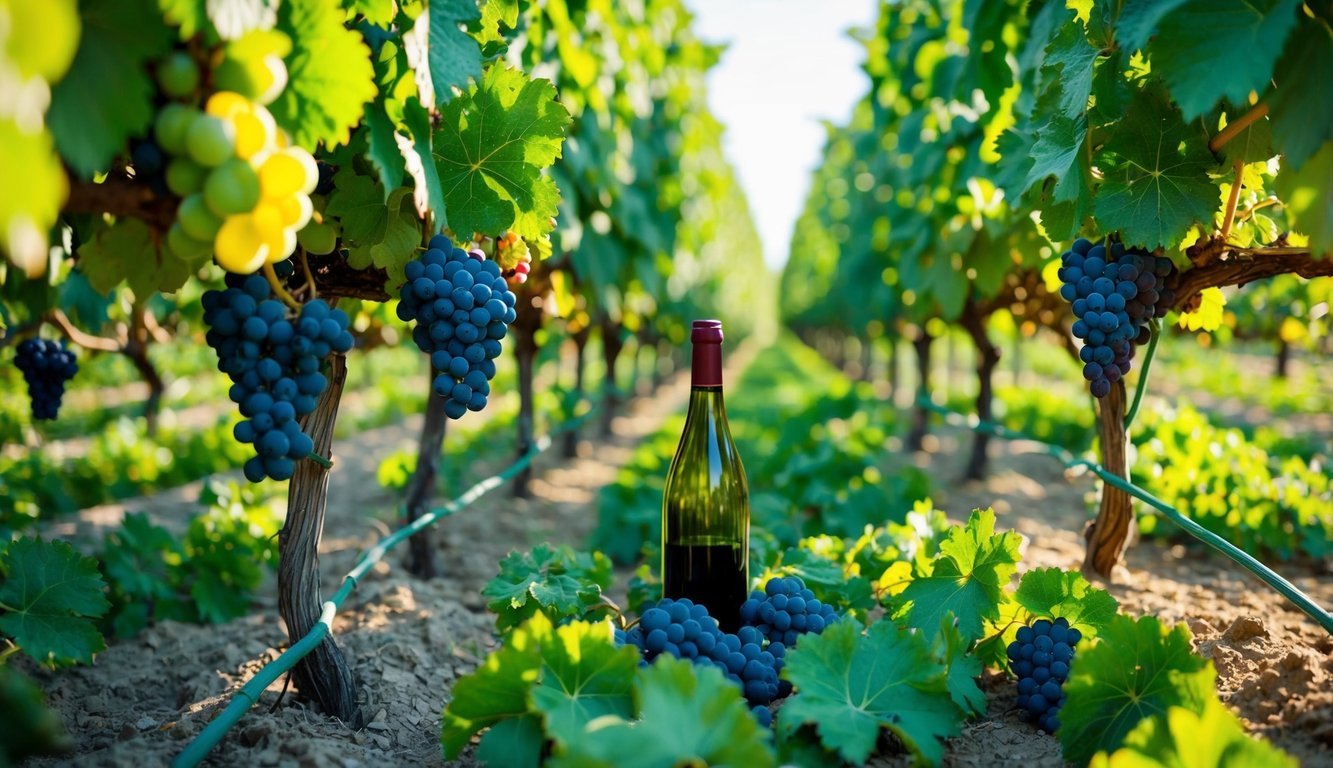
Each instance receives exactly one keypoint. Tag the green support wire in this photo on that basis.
(249, 693)
(1265, 574)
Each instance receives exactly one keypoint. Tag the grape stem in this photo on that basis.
(1143, 373)
(1232, 199)
(1234, 129)
(309, 276)
(10, 651)
(278, 287)
(320, 460)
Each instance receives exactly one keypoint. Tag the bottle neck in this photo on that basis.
(706, 368)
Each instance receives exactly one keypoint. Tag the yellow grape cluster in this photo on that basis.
(245, 191)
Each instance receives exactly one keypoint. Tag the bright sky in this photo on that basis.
(789, 65)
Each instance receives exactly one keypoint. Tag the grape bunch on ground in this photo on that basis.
(46, 366)
(1040, 658)
(1115, 291)
(274, 363)
(463, 307)
(753, 656)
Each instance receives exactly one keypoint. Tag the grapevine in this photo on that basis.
(462, 307)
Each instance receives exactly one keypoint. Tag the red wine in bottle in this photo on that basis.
(706, 503)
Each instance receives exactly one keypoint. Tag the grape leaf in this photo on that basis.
(428, 187)
(1236, 55)
(490, 150)
(1068, 66)
(49, 598)
(1054, 593)
(1304, 192)
(30, 156)
(1183, 738)
(557, 580)
(329, 74)
(1208, 317)
(107, 96)
(962, 668)
(688, 715)
(385, 234)
(1135, 669)
(382, 149)
(1138, 21)
(584, 677)
(1056, 152)
(1157, 186)
(454, 55)
(1301, 124)
(496, 17)
(851, 684)
(128, 251)
(967, 578)
(515, 741)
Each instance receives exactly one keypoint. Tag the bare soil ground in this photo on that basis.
(408, 641)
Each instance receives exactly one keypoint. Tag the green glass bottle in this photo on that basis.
(706, 503)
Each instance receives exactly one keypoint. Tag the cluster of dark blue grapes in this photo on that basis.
(783, 611)
(1114, 291)
(463, 307)
(46, 366)
(684, 629)
(1040, 658)
(273, 362)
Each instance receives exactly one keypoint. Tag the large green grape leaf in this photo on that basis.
(127, 251)
(1184, 738)
(569, 674)
(556, 580)
(1156, 186)
(329, 74)
(490, 150)
(1138, 20)
(850, 684)
(1305, 192)
(1135, 669)
(688, 715)
(516, 742)
(1069, 66)
(1054, 593)
(375, 232)
(584, 676)
(1207, 51)
(1302, 121)
(1056, 152)
(967, 578)
(428, 193)
(453, 54)
(107, 95)
(382, 149)
(49, 597)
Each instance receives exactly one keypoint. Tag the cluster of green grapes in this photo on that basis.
(244, 189)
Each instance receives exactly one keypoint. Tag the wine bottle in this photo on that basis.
(706, 503)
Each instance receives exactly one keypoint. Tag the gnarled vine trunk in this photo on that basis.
(422, 559)
(570, 447)
(611, 347)
(988, 357)
(1109, 534)
(921, 346)
(322, 675)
